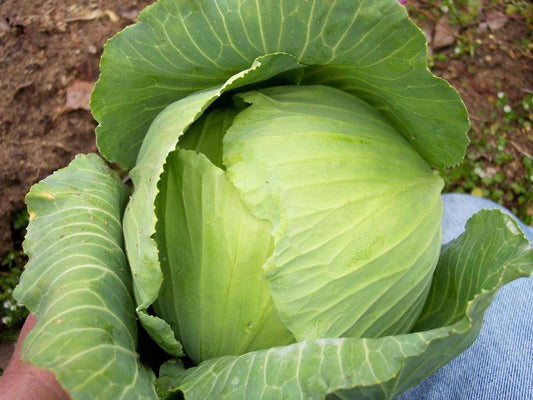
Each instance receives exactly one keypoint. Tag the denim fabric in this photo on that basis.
(499, 365)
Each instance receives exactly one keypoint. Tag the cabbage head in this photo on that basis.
(282, 235)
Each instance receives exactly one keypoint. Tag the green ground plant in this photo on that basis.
(12, 314)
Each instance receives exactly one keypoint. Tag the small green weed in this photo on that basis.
(12, 314)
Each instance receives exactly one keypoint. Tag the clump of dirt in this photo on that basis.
(49, 62)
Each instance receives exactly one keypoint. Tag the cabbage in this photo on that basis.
(283, 231)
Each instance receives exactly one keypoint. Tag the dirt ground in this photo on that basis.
(49, 61)
(49, 58)
(502, 64)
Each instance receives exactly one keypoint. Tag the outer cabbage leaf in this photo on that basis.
(490, 253)
(368, 48)
(78, 284)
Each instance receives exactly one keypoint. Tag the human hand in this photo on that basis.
(24, 381)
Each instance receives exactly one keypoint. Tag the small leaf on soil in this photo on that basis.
(496, 20)
(4, 26)
(78, 95)
(128, 13)
(444, 34)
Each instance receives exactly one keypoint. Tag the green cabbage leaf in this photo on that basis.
(78, 284)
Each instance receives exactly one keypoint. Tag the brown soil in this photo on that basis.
(46, 47)
(51, 48)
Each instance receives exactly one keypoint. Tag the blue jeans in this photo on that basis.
(499, 365)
